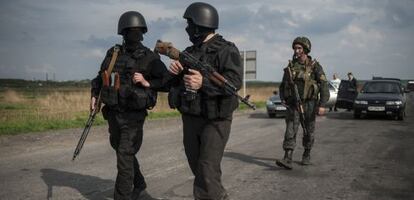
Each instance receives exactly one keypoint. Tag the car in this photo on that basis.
(410, 85)
(274, 106)
(381, 97)
(333, 93)
(346, 95)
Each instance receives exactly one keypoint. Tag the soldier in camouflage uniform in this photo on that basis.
(311, 82)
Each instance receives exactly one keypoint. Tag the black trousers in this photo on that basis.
(204, 143)
(126, 132)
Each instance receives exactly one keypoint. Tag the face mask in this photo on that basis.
(194, 34)
(133, 36)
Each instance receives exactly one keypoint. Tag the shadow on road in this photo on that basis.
(91, 187)
(252, 159)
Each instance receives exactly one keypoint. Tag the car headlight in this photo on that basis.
(269, 103)
(361, 102)
(394, 103)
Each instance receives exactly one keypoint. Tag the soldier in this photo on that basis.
(312, 85)
(127, 92)
(206, 109)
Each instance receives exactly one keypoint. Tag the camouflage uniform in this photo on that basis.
(313, 90)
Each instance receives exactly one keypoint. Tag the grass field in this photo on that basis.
(43, 108)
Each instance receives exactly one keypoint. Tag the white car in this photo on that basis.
(274, 106)
(333, 93)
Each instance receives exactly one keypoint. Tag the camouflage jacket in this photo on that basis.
(310, 80)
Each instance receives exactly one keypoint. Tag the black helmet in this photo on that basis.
(131, 19)
(202, 14)
(304, 41)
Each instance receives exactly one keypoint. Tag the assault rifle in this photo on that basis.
(167, 49)
(98, 103)
(88, 126)
(297, 101)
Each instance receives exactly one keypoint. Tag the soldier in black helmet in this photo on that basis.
(206, 108)
(128, 88)
(311, 82)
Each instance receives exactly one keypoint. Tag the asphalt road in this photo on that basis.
(352, 159)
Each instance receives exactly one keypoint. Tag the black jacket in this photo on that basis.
(212, 101)
(141, 60)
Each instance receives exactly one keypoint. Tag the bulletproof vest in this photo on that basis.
(304, 77)
(204, 105)
(123, 94)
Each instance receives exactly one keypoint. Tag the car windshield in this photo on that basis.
(382, 87)
(274, 98)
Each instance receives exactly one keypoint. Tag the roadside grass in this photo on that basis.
(25, 111)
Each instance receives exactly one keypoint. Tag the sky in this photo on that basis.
(68, 39)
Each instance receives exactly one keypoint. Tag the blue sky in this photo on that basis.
(69, 38)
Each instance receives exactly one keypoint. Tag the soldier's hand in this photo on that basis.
(321, 111)
(193, 80)
(93, 104)
(175, 67)
(139, 78)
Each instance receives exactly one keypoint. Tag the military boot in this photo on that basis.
(287, 160)
(306, 157)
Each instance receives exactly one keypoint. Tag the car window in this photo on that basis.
(382, 87)
(275, 97)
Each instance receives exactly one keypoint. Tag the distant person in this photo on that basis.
(137, 74)
(352, 80)
(312, 85)
(335, 83)
(352, 85)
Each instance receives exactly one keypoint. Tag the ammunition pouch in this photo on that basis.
(211, 109)
(189, 106)
(140, 98)
(311, 90)
(227, 105)
(219, 107)
(105, 112)
(174, 100)
(109, 96)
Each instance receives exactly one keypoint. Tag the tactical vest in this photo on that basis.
(202, 104)
(122, 94)
(305, 78)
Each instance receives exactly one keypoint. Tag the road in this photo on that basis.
(352, 159)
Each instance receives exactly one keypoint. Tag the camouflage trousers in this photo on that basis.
(293, 123)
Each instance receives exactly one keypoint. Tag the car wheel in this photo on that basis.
(401, 115)
(357, 115)
(271, 115)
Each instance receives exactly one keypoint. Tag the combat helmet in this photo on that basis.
(304, 41)
(131, 19)
(202, 14)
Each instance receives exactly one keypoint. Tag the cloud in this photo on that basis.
(70, 38)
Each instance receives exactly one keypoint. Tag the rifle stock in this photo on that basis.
(167, 49)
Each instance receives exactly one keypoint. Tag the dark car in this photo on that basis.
(346, 95)
(410, 85)
(381, 97)
(274, 106)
